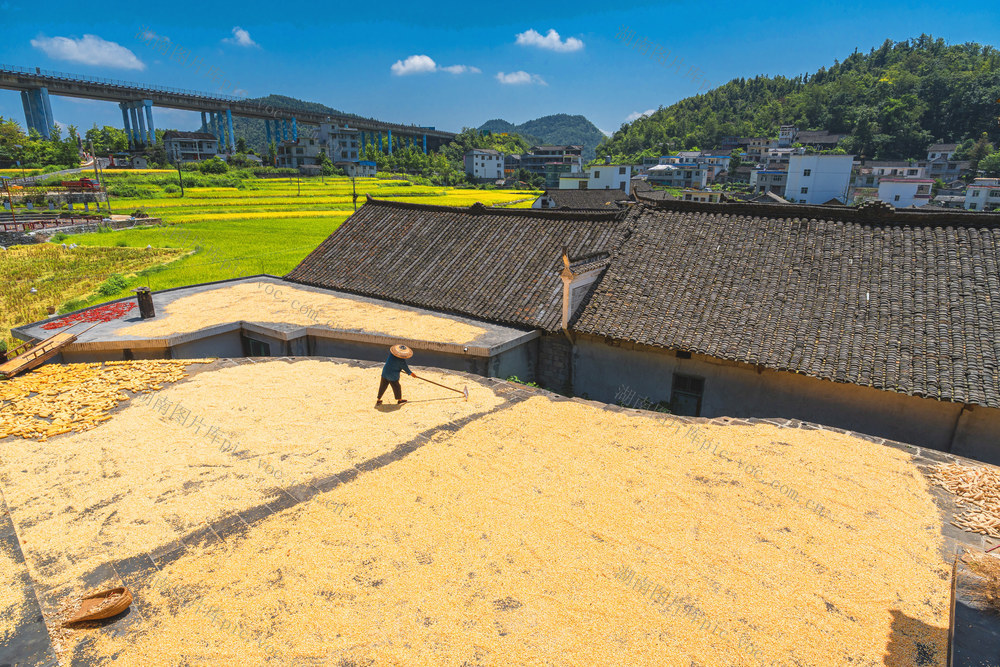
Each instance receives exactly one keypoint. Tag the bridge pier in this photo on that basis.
(135, 124)
(390, 142)
(295, 131)
(148, 104)
(204, 122)
(142, 123)
(425, 144)
(38, 111)
(380, 141)
(284, 129)
(267, 129)
(128, 130)
(229, 124)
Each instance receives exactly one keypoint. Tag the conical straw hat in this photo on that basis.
(401, 351)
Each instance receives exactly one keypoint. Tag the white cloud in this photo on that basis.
(421, 64)
(605, 132)
(520, 77)
(461, 69)
(414, 65)
(90, 50)
(240, 38)
(636, 115)
(550, 41)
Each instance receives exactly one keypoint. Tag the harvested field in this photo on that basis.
(265, 302)
(501, 542)
(56, 399)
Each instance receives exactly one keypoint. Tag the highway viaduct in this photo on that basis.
(137, 101)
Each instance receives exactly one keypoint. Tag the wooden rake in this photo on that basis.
(464, 391)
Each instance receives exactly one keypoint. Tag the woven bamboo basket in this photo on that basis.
(97, 606)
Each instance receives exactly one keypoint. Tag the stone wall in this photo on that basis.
(555, 359)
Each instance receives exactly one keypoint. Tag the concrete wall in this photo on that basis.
(602, 371)
(327, 347)
(221, 345)
(520, 361)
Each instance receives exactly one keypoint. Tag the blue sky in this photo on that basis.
(344, 55)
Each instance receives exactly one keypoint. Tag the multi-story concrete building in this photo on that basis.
(769, 180)
(605, 176)
(540, 156)
(190, 146)
(816, 179)
(484, 164)
(983, 195)
(511, 163)
(942, 151)
(338, 142)
(905, 192)
(691, 175)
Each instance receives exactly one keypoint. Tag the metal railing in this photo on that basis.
(141, 87)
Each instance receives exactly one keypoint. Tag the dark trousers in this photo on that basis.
(397, 391)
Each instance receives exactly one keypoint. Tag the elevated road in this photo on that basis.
(37, 84)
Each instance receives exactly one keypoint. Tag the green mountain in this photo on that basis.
(560, 129)
(893, 102)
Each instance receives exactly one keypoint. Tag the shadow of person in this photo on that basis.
(389, 407)
(914, 643)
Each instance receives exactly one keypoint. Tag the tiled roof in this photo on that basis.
(938, 148)
(817, 137)
(586, 200)
(499, 265)
(902, 301)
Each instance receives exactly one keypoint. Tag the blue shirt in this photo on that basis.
(392, 367)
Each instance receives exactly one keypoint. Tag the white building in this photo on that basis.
(942, 151)
(484, 164)
(190, 146)
(983, 195)
(609, 177)
(679, 175)
(905, 192)
(816, 179)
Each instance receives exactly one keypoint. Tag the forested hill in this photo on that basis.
(559, 129)
(893, 101)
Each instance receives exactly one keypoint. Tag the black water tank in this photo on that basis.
(145, 299)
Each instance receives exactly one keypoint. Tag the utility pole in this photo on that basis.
(180, 177)
(354, 190)
(10, 199)
(298, 183)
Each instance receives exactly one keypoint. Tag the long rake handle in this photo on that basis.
(440, 385)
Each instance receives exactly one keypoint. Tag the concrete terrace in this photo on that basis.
(213, 319)
(517, 527)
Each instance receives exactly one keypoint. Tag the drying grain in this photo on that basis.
(267, 302)
(12, 594)
(147, 476)
(498, 545)
(57, 398)
(978, 489)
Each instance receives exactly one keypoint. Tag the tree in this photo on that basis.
(272, 154)
(978, 151)
(735, 160)
(241, 145)
(213, 166)
(990, 165)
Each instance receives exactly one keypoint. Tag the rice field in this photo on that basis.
(217, 233)
(58, 274)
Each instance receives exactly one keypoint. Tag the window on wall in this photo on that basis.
(686, 393)
(255, 348)
(806, 172)
(804, 191)
(896, 198)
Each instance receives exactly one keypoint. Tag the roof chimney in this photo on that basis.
(607, 159)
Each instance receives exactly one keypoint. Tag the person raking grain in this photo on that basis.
(396, 362)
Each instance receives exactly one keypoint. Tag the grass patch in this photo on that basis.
(59, 275)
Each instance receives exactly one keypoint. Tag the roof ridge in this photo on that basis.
(478, 208)
(877, 216)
